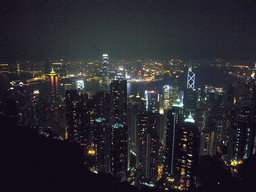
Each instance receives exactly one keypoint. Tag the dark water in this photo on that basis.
(211, 76)
(214, 76)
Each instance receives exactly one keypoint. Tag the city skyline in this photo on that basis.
(141, 126)
(127, 29)
(144, 94)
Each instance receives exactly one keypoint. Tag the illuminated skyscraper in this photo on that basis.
(80, 86)
(147, 148)
(133, 110)
(34, 110)
(242, 134)
(242, 140)
(174, 92)
(152, 101)
(77, 116)
(174, 116)
(53, 101)
(191, 79)
(100, 131)
(208, 142)
(182, 150)
(105, 69)
(166, 90)
(189, 100)
(53, 81)
(101, 144)
(119, 144)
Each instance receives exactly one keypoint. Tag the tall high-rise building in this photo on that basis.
(53, 100)
(152, 99)
(189, 93)
(147, 148)
(174, 92)
(166, 93)
(173, 117)
(182, 151)
(134, 108)
(189, 100)
(242, 140)
(191, 79)
(208, 142)
(118, 113)
(54, 94)
(242, 135)
(105, 69)
(242, 94)
(229, 97)
(77, 117)
(101, 144)
(100, 130)
(34, 110)
(118, 102)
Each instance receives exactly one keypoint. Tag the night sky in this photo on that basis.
(156, 29)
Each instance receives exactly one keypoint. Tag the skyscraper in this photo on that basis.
(174, 92)
(53, 101)
(101, 144)
(77, 116)
(152, 101)
(105, 69)
(100, 130)
(189, 93)
(147, 148)
(191, 79)
(174, 116)
(208, 141)
(134, 108)
(182, 151)
(166, 93)
(54, 94)
(242, 135)
(119, 144)
(189, 101)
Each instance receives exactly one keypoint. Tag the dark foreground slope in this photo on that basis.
(30, 162)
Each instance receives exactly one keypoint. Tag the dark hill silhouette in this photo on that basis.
(31, 162)
(247, 173)
(213, 175)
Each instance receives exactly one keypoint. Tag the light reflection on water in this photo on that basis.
(214, 76)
